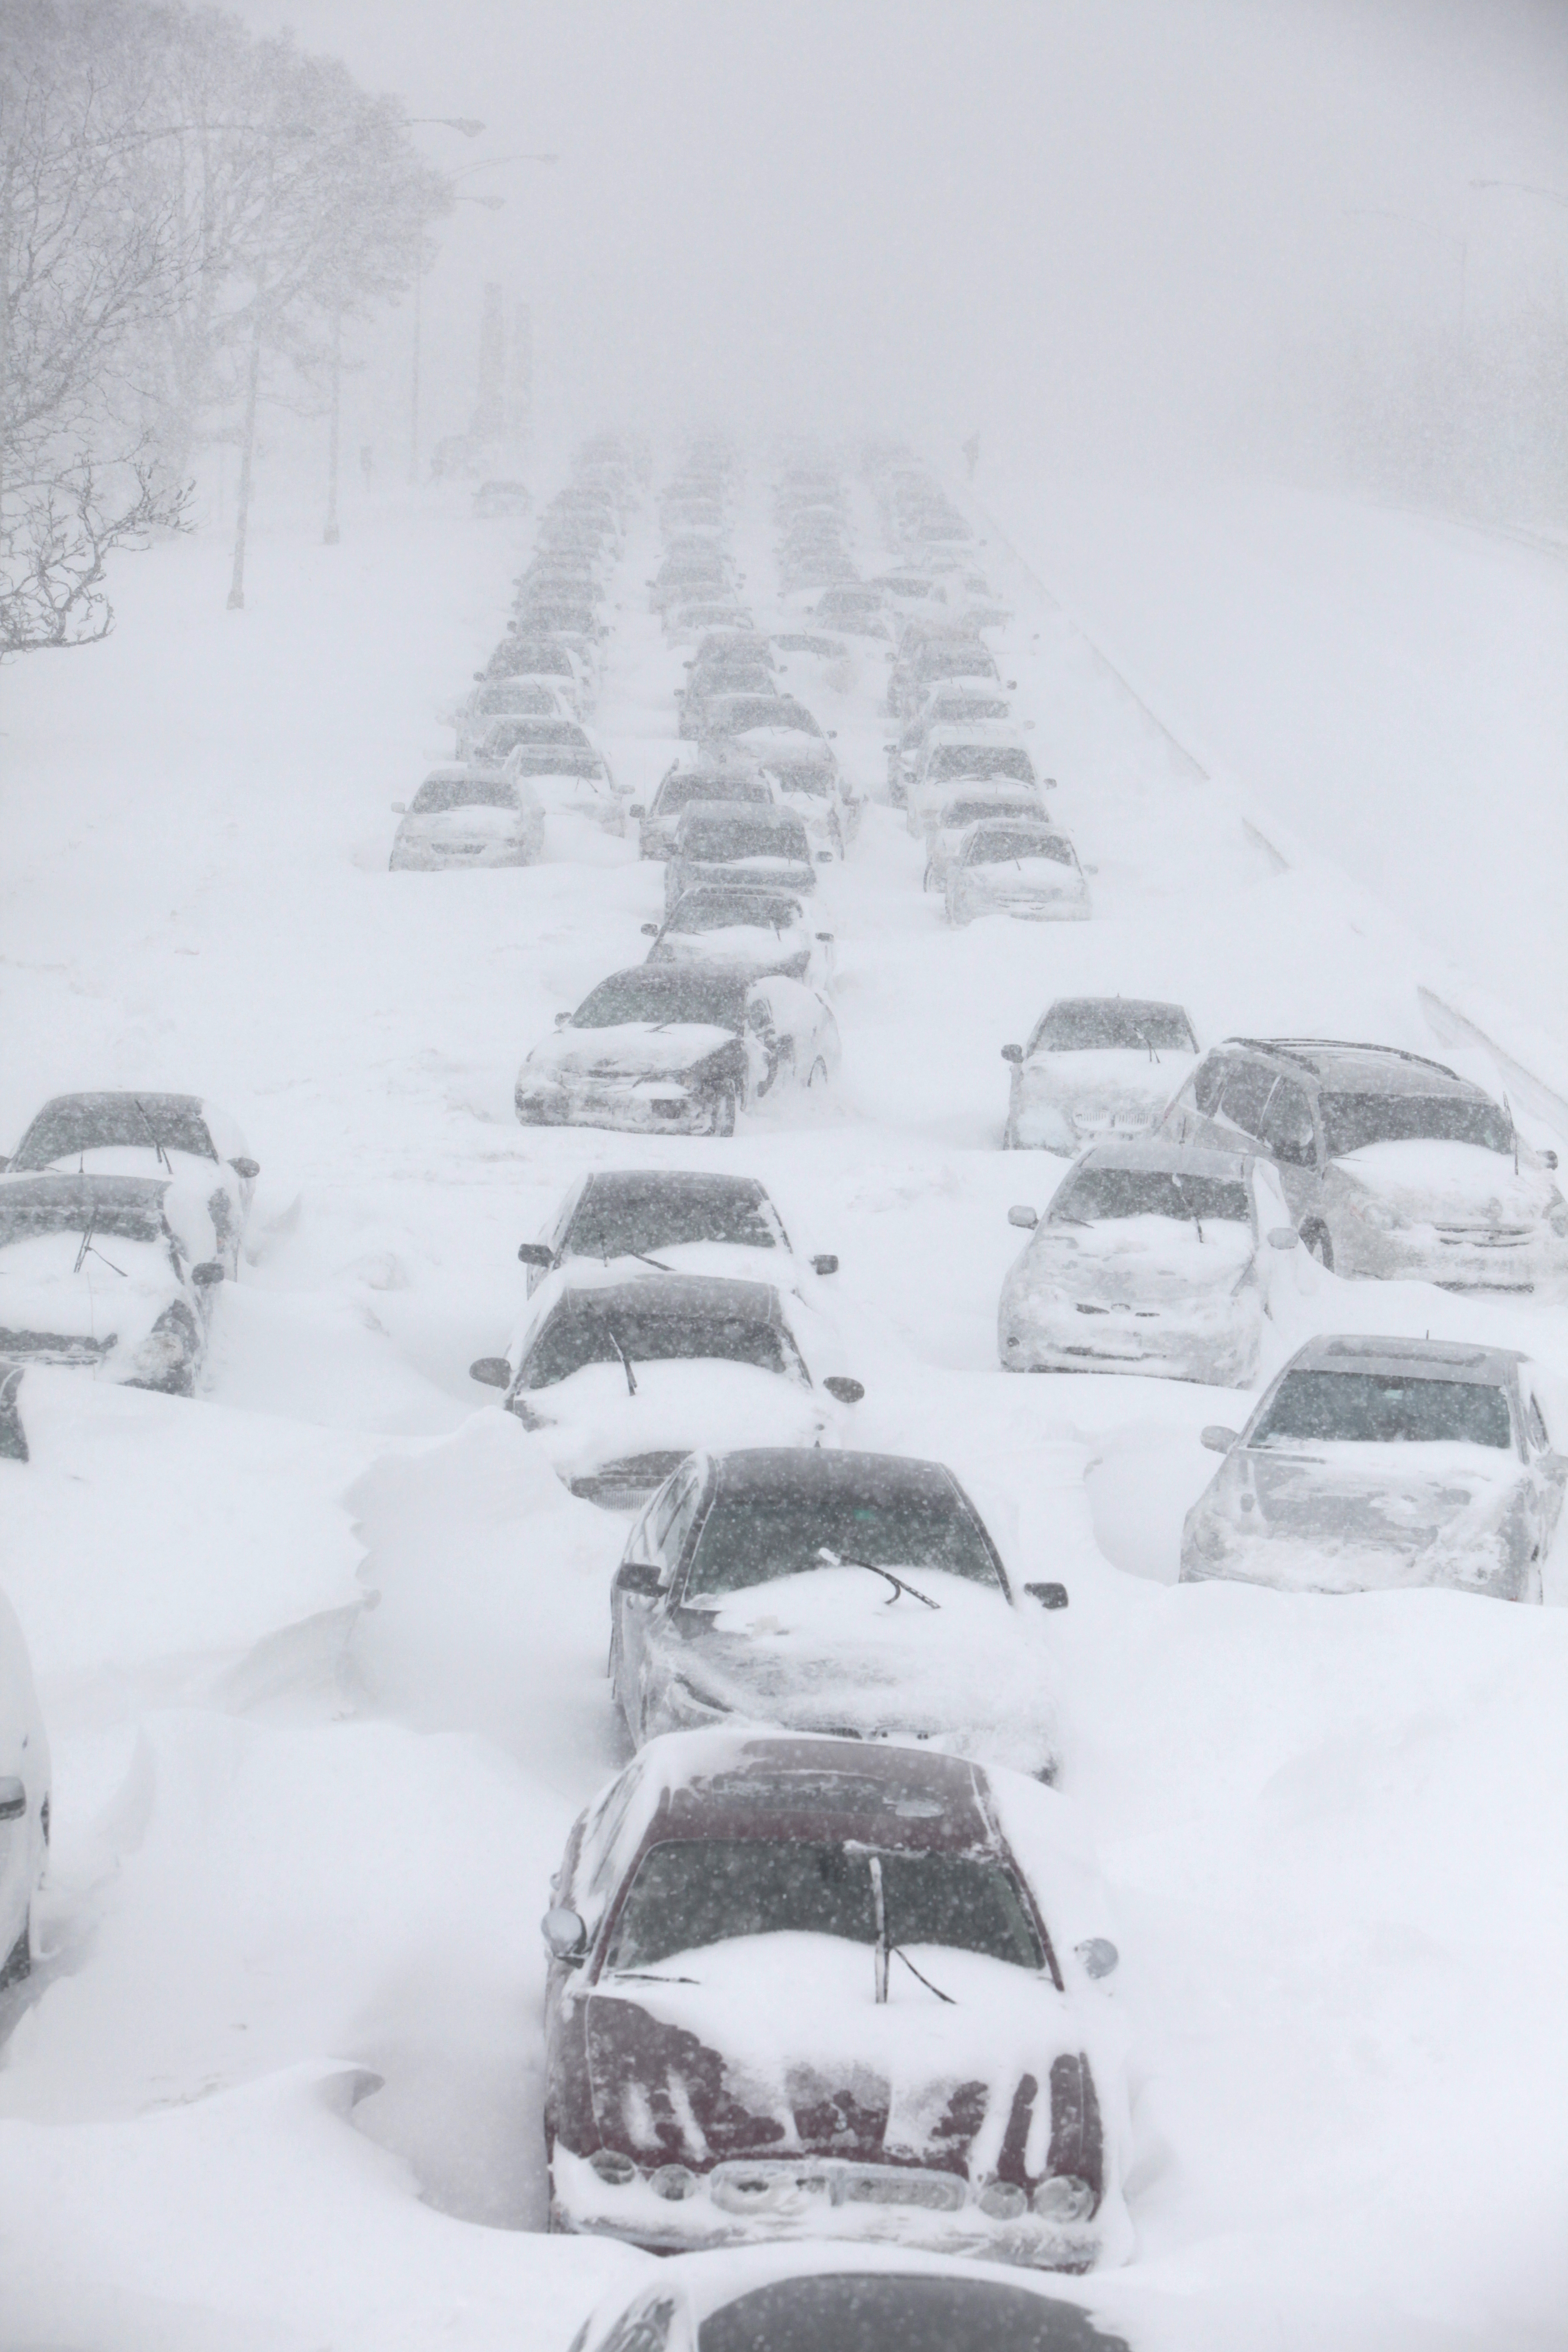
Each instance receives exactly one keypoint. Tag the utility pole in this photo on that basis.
(252, 386)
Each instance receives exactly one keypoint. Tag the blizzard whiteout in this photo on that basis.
(1014, 1862)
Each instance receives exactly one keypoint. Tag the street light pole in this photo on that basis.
(490, 203)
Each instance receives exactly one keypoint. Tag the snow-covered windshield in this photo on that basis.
(960, 813)
(721, 839)
(547, 661)
(808, 776)
(721, 911)
(100, 1122)
(1352, 1121)
(664, 994)
(542, 760)
(1008, 762)
(627, 1213)
(1386, 1407)
(692, 1891)
(765, 710)
(994, 843)
(1092, 1024)
(750, 1539)
(1107, 1192)
(507, 695)
(589, 1327)
(854, 2310)
(24, 1219)
(715, 785)
(438, 793)
(937, 662)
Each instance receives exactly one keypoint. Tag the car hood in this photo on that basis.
(592, 1418)
(1338, 1516)
(746, 945)
(1107, 1087)
(631, 1049)
(119, 1295)
(1041, 878)
(837, 1649)
(777, 2047)
(1133, 1258)
(1424, 1180)
(483, 820)
(793, 872)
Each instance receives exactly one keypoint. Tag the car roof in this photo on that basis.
(1162, 1154)
(1133, 1005)
(1366, 1069)
(1429, 1360)
(804, 1471)
(762, 812)
(782, 1785)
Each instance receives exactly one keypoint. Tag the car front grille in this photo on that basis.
(772, 2183)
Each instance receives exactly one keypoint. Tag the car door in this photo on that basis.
(1548, 1467)
(1244, 1098)
(766, 1044)
(1288, 1132)
(644, 1636)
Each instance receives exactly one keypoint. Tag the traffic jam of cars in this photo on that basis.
(832, 1970)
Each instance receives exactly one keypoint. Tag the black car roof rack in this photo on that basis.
(1296, 1049)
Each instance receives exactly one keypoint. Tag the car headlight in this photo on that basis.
(1372, 1212)
(1003, 2201)
(1064, 2198)
(1557, 1216)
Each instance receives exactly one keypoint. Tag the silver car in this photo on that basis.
(1024, 868)
(1096, 1066)
(1393, 1165)
(1374, 1464)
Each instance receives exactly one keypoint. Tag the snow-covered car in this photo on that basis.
(693, 779)
(857, 611)
(1373, 1463)
(558, 761)
(467, 815)
(1154, 1257)
(856, 1593)
(192, 1144)
(506, 698)
(23, 1799)
(951, 702)
(975, 805)
(718, 681)
(936, 659)
(1096, 1066)
(676, 1219)
(1393, 1165)
(846, 2297)
(678, 1049)
(93, 1273)
(752, 931)
(718, 842)
(808, 779)
(1003, 867)
(972, 751)
(493, 500)
(832, 1989)
(541, 662)
(762, 727)
(620, 1375)
(687, 625)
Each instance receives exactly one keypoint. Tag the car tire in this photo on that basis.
(1319, 1244)
(17, 1965)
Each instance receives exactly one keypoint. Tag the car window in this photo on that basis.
(688, 1503)
(95, 1122)
(1247, 1087)
(661, 1211)
(1096, 1023)
(1096, 1193)
(750, 1539)
(439, 794)
(1539, 1437)
(858, 2311)
(1285, 1125)
(606, 1328)
(644, 2328)
(1208, 1079)
(1351, 1121)
(1383, 1408)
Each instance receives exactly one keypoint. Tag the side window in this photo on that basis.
(646, 2328)
(562, 1225)
(1247, 1087)
(1207, 1080)
(599, 1839)
(1286, 1127)
(679, 1527)
(1535, 1422)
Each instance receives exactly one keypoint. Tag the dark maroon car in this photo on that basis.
(805, 1987)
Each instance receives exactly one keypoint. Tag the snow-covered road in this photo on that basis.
(321, 1652)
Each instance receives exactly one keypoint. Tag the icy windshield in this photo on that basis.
(994, 844)
(1352, 1121)
(1008, 762)
(721, 910)
(438, 793)
(937, 662)
(767, 710)
(1085, 1024)
(722, 840)
(1108, 1192)
(962, 813)
(547, 661)
(677, 791)
(1385, 1408)
(507, 695)
(25, 1220)
(593, 1327)
(750, 1539)
(100, 1122)
(690, 1892)
(658, 993)
(542, 760)
(866, 2311)
(655, 1213)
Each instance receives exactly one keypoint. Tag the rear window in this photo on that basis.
(1093, 1024)
(722, 841)
(439, 792)
(1096, 1193)
(864, 2311)
(724, 911)
(749, 1538)
(66, 1212)
(542, 759)
(676, 792)
(593, 1328)
(690, 1892)
(995, 844)
(657, 992)
(1385, 1408)
(613, 1221)
(1010, 762)
(1352, 1121)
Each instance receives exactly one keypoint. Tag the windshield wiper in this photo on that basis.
(899, 1950)
(626, 1360)
(1066, 1217)
(833, 1560)
(642, 1259)
(1182, 1195)
(651, 1976)
(88, 1249)
(157, 1138)
(1144, 1039)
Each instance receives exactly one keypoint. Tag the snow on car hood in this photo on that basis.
(1134, 1257)
(1107, 1086)
(835, 1648)
(766, 743)
(1420, 1179)
(777, 2047)
(754, 947)
(1338, 1516)
(120, 1294)
(592, 1418)
(1041, 877)
(629, 1049)
(737, 1261)
(480, 820)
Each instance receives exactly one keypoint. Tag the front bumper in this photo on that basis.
(773, 2199)
(1149, 1341)
(433, 860)
(646, 1107)
(1455, 1257)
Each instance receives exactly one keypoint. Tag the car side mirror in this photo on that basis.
(648, 930)
(1548, 1160)
(13, 1797)
(637, 809)
(846, 1391)
(1012, 1053)
(400, 808)
(207, 1274)
(1100, 1956)
(824, 856)
(490, 1371)
(534, 1253)
(643, 1577)
(824, 1265)
(833, 734)
(245, 1168)
(1012, 685)
(565, 1936)
(1022, 1215)
(1217, 1438)
(1283, 1237)
(826, 938)
(1049, 1596)
(561, 1019)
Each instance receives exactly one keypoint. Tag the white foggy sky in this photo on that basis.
(935, 215)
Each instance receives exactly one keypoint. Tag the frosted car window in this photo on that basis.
(723, 841)
(1286, 1127)
(643, 2330)
(95, 1122)
(25, 1215)
(1089, 1025)
(657, 994)
(749, 1538)
(722, 910)
(1247, 1087)
(661, 1211)
(584, 1330)
(1109, 1192)
(853, 2311)
(995, 844)
(983, 760)
(1538, 1436)
(676, 792)
(1385, 1408)
(1352, 1121)
(439, 792)
(693, 1892)
(1207, 1080)
(544, 759)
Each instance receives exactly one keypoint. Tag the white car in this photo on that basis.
(753, 931)
(1005, 868)
(951, 702)
(972, 804)
(93, 1273)
(1093, 1066)
(813, 785)
(691, 779)
(678, 1049)
(620, 1375)
(23, 1799)
(675, 1220)
(1151, 1257)
(506, 698)
(975, 751)
(467, 816)
(1378, 1463)
(541, 661)
(560, 763)
(190, 1143)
